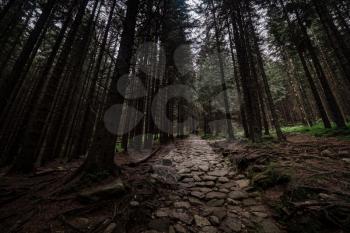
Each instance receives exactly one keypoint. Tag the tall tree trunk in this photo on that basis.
(15, 78)
(101, 154)
(222, 76)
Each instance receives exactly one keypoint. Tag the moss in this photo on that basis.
(318, 130)
(270, 177)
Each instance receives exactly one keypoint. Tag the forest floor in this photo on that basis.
(193, 185)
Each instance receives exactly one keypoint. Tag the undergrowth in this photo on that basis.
(318, 130)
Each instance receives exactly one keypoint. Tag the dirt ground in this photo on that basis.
(194, 186)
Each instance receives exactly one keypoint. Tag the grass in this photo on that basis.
(318, 130)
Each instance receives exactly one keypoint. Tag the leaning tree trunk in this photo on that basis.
(15, 78)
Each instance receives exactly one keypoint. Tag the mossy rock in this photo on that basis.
(271, 177)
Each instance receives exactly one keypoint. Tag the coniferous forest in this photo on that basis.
(179, 116)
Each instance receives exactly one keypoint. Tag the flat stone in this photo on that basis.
(269, 226)
(209, 178)
(243, 183)
(347, 160)
(209, 229)
(197, 178)
(229, 185)
(209, 183)
(182, 204)
(134, 203)
(224, 190)
(195, 201)
(216, 202)
(204, 168)
(249, 202)
(171, 229)
(111, 228)
(238, 195)
(197, 194)
(258, 208)
(230, 225)
(200, 221)
(240, 177)
(184, 171)
(180, 229)
(261, 215)
(214, 220)
(218, 173)
(161, 213)
(202, 189)
(216, 195)
(188, 180)
(232, 202)
(182, 216)
(223, 180)
(326, 153)
(219, 212)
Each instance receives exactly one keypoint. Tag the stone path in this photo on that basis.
(205, 194)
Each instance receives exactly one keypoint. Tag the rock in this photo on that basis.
(209, 229)
(214, 220)
(249, 202)
(261, 215)
(111, 228)
(219, 212)
(269, 226)
(240, 177)
(326, 153)
(184, 171)
(218, 173)
(200, 221)
(171, 229)
(224, 190)
(161, 224)
(229, 185)
(113, 189)
(195, 201)
(258, 208)
(182, 204)
(223, 180)
(204, 168)
(216, 203)
(216, 195)
(243, 183)
(232, 202)
(163, 212)
(134, 203)
(197, 178)
(347, 160)
(197, 194)
(167, 162)
(202, 189)
(209, 183)
(230, 225)
(188, 180)
(182, 216)
(180, 229)
(209, 178)
(238, 195)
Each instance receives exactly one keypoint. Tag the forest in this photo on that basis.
(176, 116)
